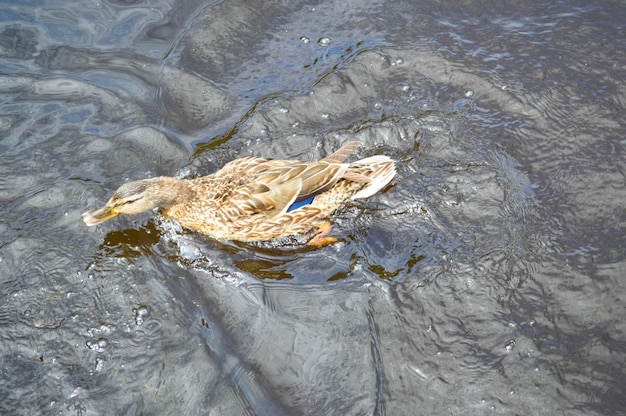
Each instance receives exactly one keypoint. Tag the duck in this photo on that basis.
(256, 199)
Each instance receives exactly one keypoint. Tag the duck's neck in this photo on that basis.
(170, 190)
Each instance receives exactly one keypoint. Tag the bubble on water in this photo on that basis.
(510, 345)
(102, 329)
(398, 61)
(305, 40)
(377, 106)
(469, 93)
(141, 312)
(325, 115)
(324, 41)
(98, 345)
(283, 110)
(99, 363)
(295, 124)
(406, 87)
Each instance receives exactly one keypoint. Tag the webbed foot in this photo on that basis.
(321, 238)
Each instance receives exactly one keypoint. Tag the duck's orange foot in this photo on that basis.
(321, 238)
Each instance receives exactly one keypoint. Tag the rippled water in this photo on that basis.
(487, 279)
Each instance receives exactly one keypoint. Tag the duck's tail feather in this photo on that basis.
(377, 171)
(342, 153)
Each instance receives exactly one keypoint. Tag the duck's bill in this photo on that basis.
(96, 216)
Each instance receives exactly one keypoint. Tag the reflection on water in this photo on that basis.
(486, 278)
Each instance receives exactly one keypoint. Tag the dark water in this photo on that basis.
(489, 279)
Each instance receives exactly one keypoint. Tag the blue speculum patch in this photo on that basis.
(302, 203)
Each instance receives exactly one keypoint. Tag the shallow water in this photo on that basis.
(487, 279)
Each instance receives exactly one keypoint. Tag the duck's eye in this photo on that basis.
(130, 201)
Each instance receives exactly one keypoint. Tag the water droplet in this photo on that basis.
(98, 345)
(469, 93)
(99, 363)
(283, 110)
(305, 40)
(141, 313)
(324, 41)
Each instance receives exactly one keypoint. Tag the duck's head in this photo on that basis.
(134, 198)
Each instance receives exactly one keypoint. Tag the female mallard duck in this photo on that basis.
(255, 199)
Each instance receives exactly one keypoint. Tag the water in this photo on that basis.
(486, 280)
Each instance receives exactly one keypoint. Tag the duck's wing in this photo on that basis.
(316, 177)
(284, 182)
(271, 186)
